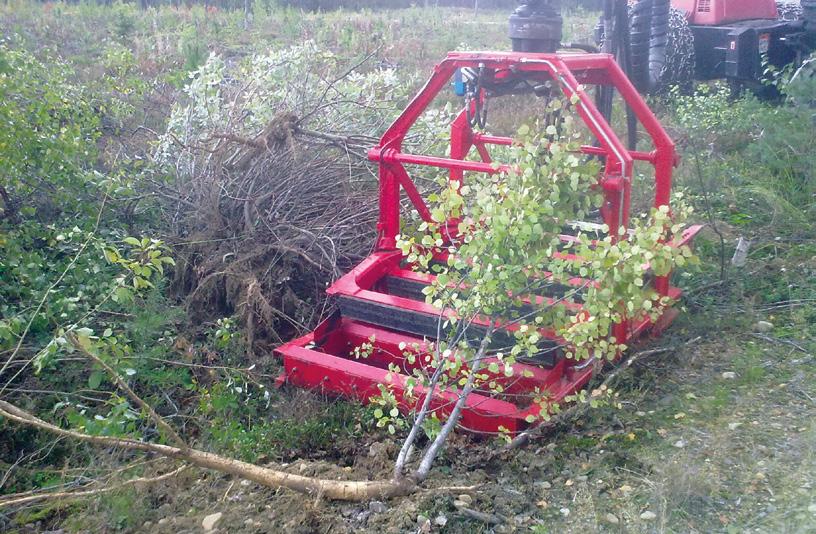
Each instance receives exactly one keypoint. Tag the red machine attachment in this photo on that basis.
(381, 300)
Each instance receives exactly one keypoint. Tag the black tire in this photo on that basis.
(789, 9)
(674, 41)
(640, 16)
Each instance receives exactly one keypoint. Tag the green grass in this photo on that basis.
(251, 433)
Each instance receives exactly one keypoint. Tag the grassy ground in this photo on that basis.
(716, 433)
(716, 436)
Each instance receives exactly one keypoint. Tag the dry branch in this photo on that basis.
(291, 198)
(273, 208)
(580, 408)
(490, 519)
(16, 500)
(344, 490)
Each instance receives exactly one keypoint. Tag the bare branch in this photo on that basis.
(15, 500)
(490, 519)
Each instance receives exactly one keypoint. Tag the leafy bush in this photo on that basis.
(47, 142)
(766, 148)
(50, 195)
(66, 260)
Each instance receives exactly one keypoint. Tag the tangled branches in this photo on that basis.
(270, 195)
(271, 221)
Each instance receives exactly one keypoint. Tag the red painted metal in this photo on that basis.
(714, 12)
(324, 358)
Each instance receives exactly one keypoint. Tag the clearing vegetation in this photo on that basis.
(179, 185)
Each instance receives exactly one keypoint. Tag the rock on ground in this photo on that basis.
(209, 522)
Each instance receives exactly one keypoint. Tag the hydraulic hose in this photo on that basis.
(604, 94)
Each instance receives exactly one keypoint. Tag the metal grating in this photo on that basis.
(704, 6)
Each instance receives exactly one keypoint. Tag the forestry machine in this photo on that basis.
(670, 41)
(381, 304)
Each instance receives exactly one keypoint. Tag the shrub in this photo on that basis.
(766, 147)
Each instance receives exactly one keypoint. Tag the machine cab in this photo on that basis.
(717, 12)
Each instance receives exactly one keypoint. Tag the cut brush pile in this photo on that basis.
(270, 194)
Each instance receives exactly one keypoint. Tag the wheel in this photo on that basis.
(678, 67)
(789, 9)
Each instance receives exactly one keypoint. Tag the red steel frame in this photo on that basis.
(321, 359)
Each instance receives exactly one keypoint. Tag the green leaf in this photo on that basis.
(122, 295)
(95, 379)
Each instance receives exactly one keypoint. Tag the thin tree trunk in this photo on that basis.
(436, 447)
(343, 490)
(407, 445)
